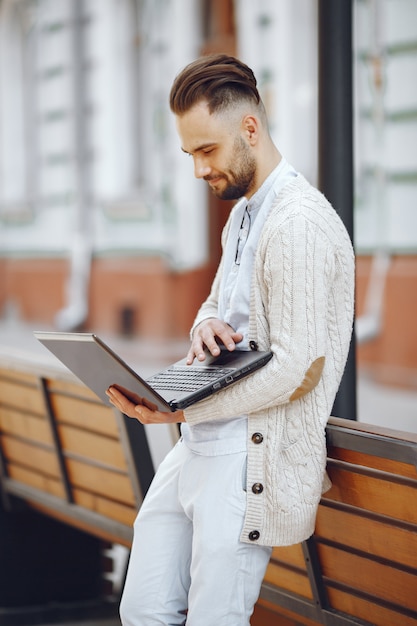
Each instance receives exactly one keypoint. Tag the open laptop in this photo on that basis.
(179, 386)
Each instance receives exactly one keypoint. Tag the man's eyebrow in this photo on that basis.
(204, 146)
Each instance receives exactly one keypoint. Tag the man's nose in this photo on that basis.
(201, 168)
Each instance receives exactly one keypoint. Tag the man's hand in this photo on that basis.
(140, 408)
(206, 335)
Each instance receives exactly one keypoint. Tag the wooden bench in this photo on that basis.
(73, 474)
(360, 566)
(68, 456)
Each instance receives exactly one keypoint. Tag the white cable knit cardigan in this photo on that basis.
(301, 307)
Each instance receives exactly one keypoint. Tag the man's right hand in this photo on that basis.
(208, 334)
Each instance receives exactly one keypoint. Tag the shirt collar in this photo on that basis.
(257, 199)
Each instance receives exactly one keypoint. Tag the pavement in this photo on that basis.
(376, 404)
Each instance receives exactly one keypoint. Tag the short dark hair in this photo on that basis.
(219, 79)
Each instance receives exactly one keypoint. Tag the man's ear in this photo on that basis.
(250, 126)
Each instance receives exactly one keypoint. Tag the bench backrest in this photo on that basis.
(68, 455)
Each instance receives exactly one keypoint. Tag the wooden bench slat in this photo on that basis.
(101, 481)
(375, 462)
(288, 579)
(92, 446)
(40, 460)
(108, 508)
(23, 397)
(25, 426)
(373, 494)
(381, 581)
(293, 555)
(269, 614)
(18, 376)
(84, 415)
(40, 481)
(367, 535)
(373, 430)
(107, 532)
(369, 611)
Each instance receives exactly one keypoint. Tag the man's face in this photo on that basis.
(221, 154)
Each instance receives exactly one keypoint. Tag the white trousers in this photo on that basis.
(186, 553)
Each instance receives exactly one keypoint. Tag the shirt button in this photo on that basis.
(257, 437)
(254, 535)
(253, 345)
(257, 488)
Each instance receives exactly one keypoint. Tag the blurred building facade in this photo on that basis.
(102, 224)
(386, 187)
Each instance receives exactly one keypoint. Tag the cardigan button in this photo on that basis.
(254, 535)
(253, 345)
(257, 437)
(257, 488)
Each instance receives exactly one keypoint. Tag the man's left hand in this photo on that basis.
(140, 408)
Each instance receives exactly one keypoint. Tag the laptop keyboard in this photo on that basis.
(187, 378)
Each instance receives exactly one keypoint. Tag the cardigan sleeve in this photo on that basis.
(297, 303)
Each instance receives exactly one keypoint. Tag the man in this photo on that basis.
(249, 470)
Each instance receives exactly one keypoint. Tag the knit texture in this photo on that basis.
(301, 307)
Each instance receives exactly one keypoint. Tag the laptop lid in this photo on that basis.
(98, 367)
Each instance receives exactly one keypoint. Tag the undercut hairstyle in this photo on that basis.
(218, 79)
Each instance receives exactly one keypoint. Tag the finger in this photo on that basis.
(227, 336)
(121, 393)
(226, 333)
(196, 351)
(191, 355)
(206, 338)
(145, 416)
(120, 401)
(149, 405)
(207, 335)
(237, 338)
(130, 395)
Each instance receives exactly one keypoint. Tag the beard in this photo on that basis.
(241, 175)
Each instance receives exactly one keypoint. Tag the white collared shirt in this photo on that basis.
(228, 437)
